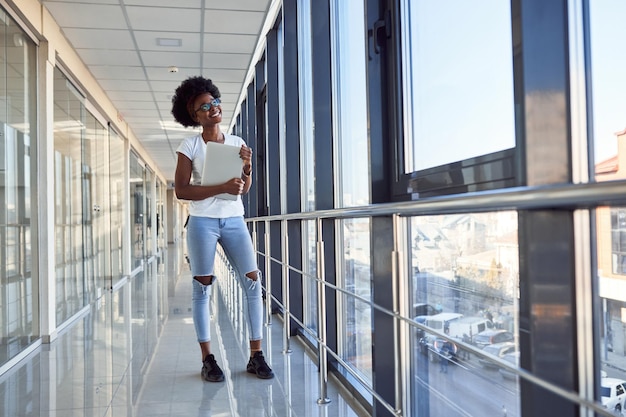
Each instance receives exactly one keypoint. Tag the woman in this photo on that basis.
(211, 220)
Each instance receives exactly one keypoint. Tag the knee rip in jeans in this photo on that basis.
(205, 279)
(253, 275)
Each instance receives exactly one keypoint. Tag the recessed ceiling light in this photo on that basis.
(169, 42)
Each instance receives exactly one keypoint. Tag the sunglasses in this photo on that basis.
(207, 106)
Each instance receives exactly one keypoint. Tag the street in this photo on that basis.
(467, 389)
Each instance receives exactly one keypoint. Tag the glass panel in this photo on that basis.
(96, 211)
(465, 292)
(102, 210)
(350, 105)
(350, 118)
(19, 305)
(459, 76)
(121, 324)
(160, 212)
(117, 199)
(305, 70)
(68, 196)
(282, 136)
(356, 335)
(611, 259)
(606, 35)
(137, 208)
(150, 234)
(89, 182)
(310, 273)
(307, 158)
(161, 287)
(138, 288)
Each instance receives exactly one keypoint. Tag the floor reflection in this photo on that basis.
(110, 363)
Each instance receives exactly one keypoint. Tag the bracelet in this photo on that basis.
(246, 175)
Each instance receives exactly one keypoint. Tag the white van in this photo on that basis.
(465, 328)
(442, 321)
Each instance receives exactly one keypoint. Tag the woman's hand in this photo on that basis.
(245, 154)
(234, 186)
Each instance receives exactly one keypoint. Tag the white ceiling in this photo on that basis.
(118, 40)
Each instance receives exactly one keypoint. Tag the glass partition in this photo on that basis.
(69, 128)
(19, 294)
(96, 209)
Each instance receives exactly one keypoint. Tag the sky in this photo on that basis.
(608, 69)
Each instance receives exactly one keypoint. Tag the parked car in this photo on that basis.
(613, 394)
(496, 353)
(489, 337)
(512, 358)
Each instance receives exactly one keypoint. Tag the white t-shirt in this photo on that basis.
(194, 148)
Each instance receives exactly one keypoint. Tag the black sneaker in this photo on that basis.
(258, 366)
(211, 371)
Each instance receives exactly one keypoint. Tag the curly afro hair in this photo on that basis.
(186, 93)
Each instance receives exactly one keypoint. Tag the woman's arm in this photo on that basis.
(246, 172)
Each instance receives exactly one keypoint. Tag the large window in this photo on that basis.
(608, 134)
(458, 91)
(350, 103)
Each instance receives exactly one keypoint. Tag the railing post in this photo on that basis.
(285, 292)
(268, 280)
(321, 318)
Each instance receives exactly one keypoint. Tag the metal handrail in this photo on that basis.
(561, 196)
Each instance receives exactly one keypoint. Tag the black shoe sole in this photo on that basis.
(220, 379)
(252, 371)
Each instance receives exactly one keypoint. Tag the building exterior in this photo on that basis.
(611, 270)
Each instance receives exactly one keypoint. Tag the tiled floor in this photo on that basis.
(80, 375)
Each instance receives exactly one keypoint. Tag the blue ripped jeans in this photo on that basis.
(203, 234)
